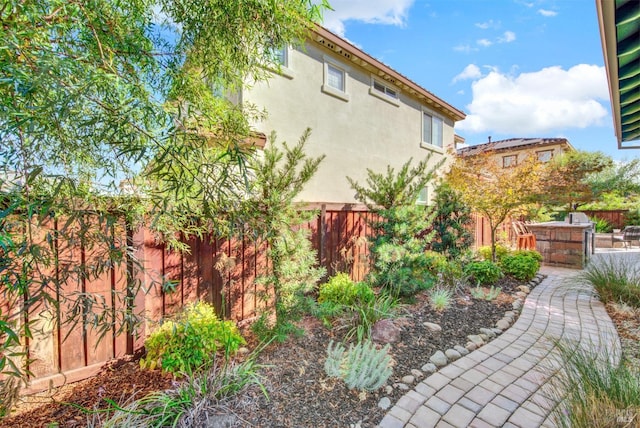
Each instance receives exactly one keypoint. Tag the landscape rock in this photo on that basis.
(384, 403)
(517, 304)
(385, 331)
(476, 339)
(452, 354)
(433, 327)
(417, 373)
(461, 349)
(503, 324)
(487, 331)
(388, 389)
(402, 386)
(471, 346)
(510, 314)
(408, 379)
(439, 359)
(524, 289)
(497, 331)
(429, 368)
(521, 294)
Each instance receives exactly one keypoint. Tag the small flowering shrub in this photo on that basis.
(341, 290)
(191, 340)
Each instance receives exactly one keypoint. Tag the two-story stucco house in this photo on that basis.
(362, 114)
(510, 152)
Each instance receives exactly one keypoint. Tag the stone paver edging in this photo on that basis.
(501, 383)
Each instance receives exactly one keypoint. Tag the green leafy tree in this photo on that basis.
(568, 179)
(398, 245)
(96, 93)
(452, 235)
(495, 192)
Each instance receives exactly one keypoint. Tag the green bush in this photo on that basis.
(615, 279)
(521, 266)
(341, 290)
(483, 272)
(191, 340)
(530, 253)
(602, 225)
(485, 252)
(632, 218)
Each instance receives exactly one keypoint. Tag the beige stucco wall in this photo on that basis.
(363, 132)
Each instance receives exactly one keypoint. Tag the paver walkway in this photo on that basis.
(501, 383)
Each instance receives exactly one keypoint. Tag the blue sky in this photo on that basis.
(517, 68)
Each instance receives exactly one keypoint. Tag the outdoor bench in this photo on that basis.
(629, 234)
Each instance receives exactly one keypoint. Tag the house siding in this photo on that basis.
(365, 132)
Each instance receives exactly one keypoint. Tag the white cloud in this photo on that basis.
(464, 48)
(389, 12)
(471, 71)
(484, 42)
(507, 37)
(545, 12)
(534, 104)
(488, 24)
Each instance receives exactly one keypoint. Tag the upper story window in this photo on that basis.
(432, 130)
(384, 91)
(335, 80)
(545, 155)
(509, 161)
(423, 196)
(281, 56)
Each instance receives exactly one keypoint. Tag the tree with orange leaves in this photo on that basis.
(493, 191)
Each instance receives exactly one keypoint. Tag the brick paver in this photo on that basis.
(501, 384)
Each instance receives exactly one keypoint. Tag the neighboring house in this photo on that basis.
(362, 114)
(512, 151)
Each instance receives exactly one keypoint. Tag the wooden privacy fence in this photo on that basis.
(614, 217)
(154, 282)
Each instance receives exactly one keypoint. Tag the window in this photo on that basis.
(335, 77)
(545, 155)
(335, 80)
(509, 161)
(384, 91)
(281, 56)
(423, 197)
(432, 130)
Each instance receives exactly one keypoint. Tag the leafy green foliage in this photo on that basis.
(615, 279)
(341, 290)
(450, 224)
(500, 250)
(483, 272)
(399, 243)
(632, 218)
(482, 293)
(602, 225)
(362, 366)
(522, 266)
(440, 298)
(190, 341)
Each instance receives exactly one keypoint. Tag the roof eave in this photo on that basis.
(359, 57)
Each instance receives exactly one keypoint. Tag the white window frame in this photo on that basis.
(387, 92)
(541, 152)
(284, 68)
(427, 142)
(421, 200)
(511, 165)
(328, 89)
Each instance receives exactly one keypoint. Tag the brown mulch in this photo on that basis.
(300, 393)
